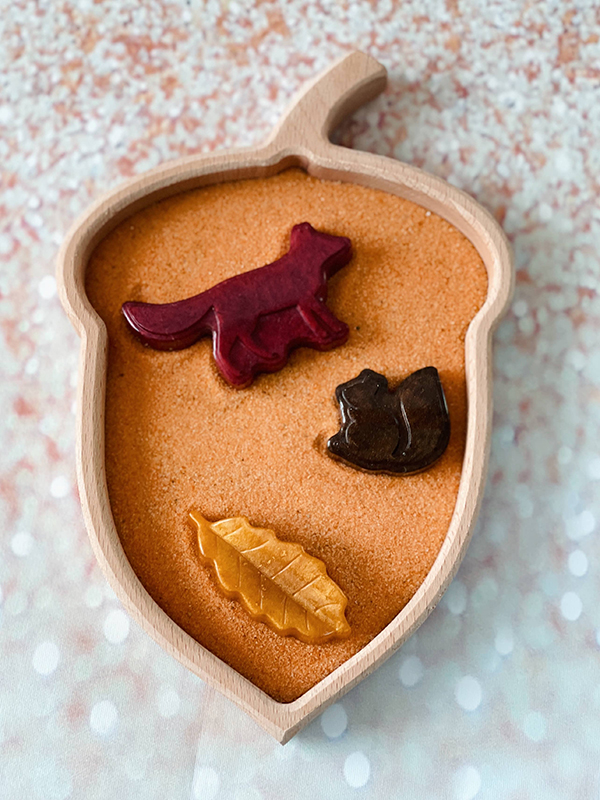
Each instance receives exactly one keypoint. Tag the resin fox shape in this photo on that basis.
(256, 318)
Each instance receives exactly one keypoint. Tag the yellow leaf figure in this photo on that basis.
(277, 582)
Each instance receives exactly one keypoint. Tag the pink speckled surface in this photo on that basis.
(497, 695)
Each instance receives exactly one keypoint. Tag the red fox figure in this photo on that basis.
(258, 317)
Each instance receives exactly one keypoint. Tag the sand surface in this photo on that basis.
(178, 437)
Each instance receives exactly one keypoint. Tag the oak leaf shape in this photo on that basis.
(277, 582)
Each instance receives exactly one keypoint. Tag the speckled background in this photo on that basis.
(498, 695)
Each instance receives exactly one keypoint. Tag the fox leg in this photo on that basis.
(320, 319)
(253, 347)
(224, 341)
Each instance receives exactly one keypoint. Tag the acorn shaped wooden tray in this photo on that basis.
(282, 514)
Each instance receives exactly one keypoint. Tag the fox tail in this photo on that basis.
(170, 326)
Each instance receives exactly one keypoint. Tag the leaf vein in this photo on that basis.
(252, 549)
(306, 586)
(287, 566)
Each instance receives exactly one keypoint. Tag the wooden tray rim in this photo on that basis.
(301, 139)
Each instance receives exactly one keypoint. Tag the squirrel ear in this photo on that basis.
(373, 380)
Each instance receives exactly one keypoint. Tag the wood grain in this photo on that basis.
(300, 139)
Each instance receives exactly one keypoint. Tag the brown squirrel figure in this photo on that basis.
(401, 431)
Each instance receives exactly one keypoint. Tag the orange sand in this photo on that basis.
(177, 436)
